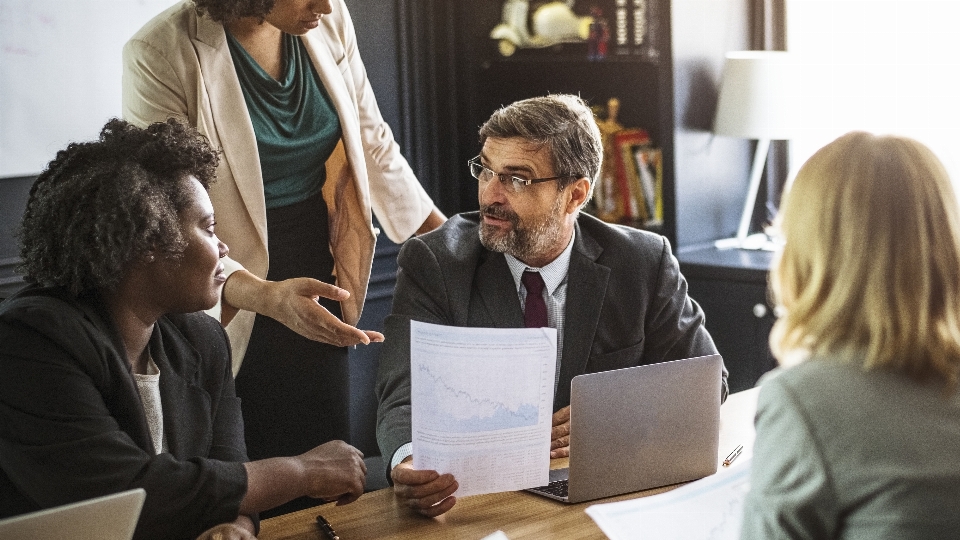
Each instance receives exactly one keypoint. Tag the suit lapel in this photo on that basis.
(186, 408)
(586, 290)
(231, 123)
(124, 397)
(495, 286)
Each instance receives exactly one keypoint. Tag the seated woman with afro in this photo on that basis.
(110, 376)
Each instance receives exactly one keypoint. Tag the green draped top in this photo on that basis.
(295, 123)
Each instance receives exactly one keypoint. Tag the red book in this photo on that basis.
(623, 142)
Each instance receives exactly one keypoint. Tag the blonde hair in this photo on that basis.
(870, 271)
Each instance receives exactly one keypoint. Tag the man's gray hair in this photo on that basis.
(561, 122)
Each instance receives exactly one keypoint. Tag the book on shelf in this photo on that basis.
(632, 24)
(649, 163)
(629, 188)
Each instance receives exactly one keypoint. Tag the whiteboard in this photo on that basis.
(60, 70)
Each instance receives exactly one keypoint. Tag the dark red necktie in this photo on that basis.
(535, 309)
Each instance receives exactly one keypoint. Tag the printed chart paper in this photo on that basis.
(482, 402)
(709, 509)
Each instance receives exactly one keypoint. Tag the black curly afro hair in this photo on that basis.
(227, 10)
(102, 204)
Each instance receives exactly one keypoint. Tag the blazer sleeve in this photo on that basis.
(396, 196)
(675, 323)
(60, 442)
(417, 297)
(151, 89)
(791, 492)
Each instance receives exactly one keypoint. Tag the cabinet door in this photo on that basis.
(739, 319)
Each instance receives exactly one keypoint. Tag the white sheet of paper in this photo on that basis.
(482, 403)
(709, 509)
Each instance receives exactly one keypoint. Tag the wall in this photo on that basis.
(711, 171)
(885, 66)
(375, 22)
(60, 69)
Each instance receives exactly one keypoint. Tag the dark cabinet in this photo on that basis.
(671, 94)
(731, 287)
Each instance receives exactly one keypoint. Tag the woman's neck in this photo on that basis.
(262, 41)
(134, 320)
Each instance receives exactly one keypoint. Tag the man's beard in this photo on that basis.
(525, 241)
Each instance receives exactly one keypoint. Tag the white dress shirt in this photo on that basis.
(554, 276)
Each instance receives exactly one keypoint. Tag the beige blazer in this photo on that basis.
(179, 65)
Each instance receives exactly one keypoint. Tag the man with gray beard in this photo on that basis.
(529, 258)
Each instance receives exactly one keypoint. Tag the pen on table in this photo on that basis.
(733, 455)
(327, 529)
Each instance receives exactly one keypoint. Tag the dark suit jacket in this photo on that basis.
(627, 305)
(72, 424)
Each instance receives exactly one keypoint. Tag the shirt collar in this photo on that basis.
(553, 273)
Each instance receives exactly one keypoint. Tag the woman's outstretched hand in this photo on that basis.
(295, 305)
(293, 302)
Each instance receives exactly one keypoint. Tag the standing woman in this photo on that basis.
(279, 86)
(860, 437)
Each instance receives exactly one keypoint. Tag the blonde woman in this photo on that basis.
(860, 436)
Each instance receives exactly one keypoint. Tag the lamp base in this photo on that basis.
(754, 242)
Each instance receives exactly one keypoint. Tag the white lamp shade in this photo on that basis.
(758, 96)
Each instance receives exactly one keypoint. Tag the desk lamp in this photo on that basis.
(757, 101)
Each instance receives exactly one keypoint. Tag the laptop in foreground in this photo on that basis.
(639, 428)
(112, 517)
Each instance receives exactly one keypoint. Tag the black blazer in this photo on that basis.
(627, 305)
(72, 425)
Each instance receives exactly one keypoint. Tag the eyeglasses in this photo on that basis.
(511, 183)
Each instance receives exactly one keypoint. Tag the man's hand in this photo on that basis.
(293, 302)
(334, 471)
(560, 434)
(427, 492)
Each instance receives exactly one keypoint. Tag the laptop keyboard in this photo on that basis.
(557, 488)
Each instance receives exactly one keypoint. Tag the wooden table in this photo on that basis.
(518, 514)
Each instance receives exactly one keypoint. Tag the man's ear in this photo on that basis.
(577, 192)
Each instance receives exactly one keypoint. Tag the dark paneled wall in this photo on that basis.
(13, 200)
(377, 27)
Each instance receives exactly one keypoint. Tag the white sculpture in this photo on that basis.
(553, 23)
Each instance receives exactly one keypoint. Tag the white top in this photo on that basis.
(149, 387)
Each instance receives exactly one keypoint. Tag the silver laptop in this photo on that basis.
(113, 517)
(639, 428)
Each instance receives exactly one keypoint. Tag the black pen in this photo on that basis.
(733, 455)
(327, 529)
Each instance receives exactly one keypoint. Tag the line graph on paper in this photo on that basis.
(478, 397)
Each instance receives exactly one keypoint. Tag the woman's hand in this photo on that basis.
(334, 471)
(236, 530)
(434, 220)
(293, 302)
